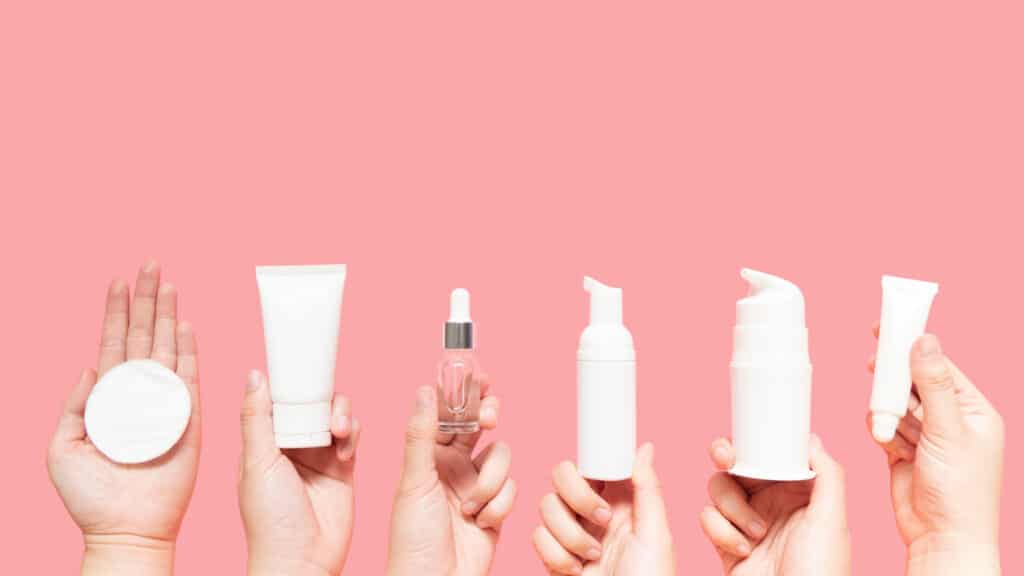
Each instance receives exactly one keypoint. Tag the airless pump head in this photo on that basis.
(458, 330)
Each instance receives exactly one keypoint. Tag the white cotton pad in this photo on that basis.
(137, 411)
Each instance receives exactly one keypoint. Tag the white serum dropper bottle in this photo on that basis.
(605, 389)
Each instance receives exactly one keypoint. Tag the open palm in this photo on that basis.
(146, 500)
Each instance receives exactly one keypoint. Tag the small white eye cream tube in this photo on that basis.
(905, 307)
(301, 313)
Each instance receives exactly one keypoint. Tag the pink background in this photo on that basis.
(511, 148)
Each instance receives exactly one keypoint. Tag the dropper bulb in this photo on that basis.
(458, 310)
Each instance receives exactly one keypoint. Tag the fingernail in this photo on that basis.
(602, 515)
(594, 554)
(254, 381)
(757, 529)
(930, 347)
(150, 266)
(468, 507)
(576, 569)
(743, 549)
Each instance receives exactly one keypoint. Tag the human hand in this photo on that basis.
(450, 505)
(606, 528)
(130, 514)
(946, 469)
(781, 528)
(297, 504)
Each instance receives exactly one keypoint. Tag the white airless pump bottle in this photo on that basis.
(301, 312)
(771, 381)
(605, 389)
(905, 307)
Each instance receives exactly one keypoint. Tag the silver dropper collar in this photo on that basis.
(458, 335)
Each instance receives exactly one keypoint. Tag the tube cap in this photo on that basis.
(302, 425)
(883, 426)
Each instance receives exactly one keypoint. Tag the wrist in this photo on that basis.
(939, 554)
(267, 566)
(116, 554)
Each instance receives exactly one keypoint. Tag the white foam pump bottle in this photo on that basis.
(605, 389)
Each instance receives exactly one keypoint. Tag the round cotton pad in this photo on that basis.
(137, 411)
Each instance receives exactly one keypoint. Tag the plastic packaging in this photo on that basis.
(301, 313)
(137, 411)
(605, 389)
(905, 307)
(771, 381)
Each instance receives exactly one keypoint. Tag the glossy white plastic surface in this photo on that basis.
(301, 314)
(771, 381)
(905, 307)
(605, 389)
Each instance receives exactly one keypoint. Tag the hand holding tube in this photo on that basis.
(606, 528)
(787, 528)
(450, 504)
(130, 514)
(946, 465)
(297, 505)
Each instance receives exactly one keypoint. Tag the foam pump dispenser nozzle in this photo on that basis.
(606, 389)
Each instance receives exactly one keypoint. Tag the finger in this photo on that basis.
(872, 361)
(259, 447)
(723, 455)
(490, 406)
(898, 447)
(494, 469)
(555, 558)
(347, 448)
(722, 534)
(115, 327)
(935, 385)
(731, 501)
(71, 426)
(876, 328)
(914, 406)
(499, 507)
(140, 323)
(648, 500)
(579, 495)
(466, 443)
(562, 523)
(341, 417)
(188, 371)
(828, 497)
(164, 336)
(420, 433)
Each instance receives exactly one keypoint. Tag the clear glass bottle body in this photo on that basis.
(458, 392)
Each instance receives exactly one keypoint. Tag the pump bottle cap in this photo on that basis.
(606, 338)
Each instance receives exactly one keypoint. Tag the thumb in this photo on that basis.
(420, 437)
(258, 443)
(936, 386)
(648, 502)
(828, 498)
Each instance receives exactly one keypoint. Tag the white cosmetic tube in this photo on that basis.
(301, 313)
(905, 307)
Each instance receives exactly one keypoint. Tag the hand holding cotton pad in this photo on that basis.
(137, 411)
